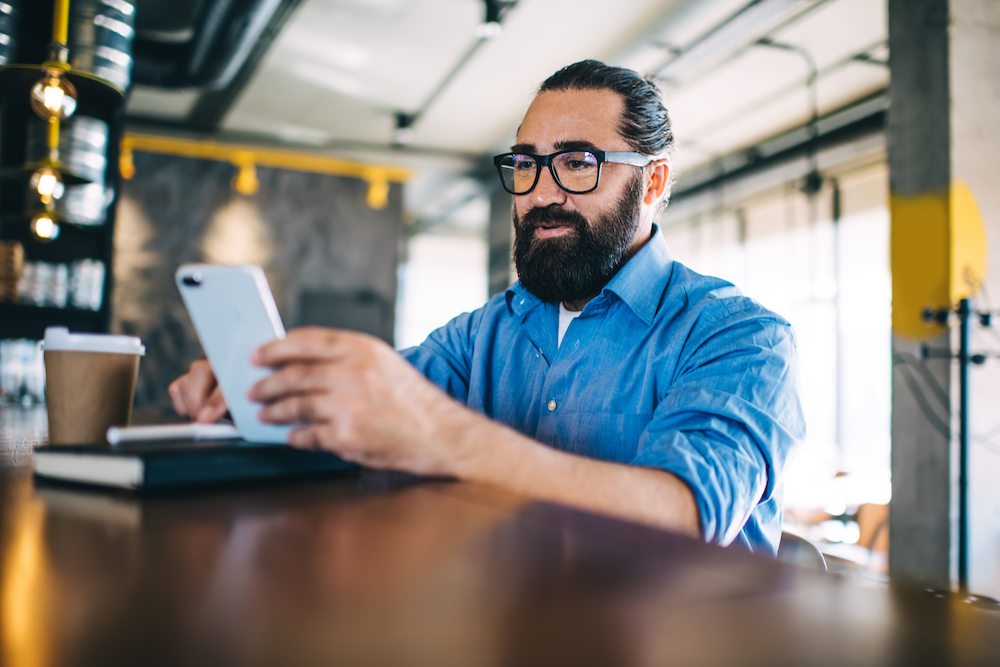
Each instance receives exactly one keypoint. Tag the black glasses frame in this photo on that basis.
(634, 159)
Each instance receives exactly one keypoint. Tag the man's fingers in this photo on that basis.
(197, 386)
(304, 437)
(306, 344)
(189, 392)
(214, 408)
(319, 437)
(177, 398)
(293, 410)
(295, 378)
(210, 414)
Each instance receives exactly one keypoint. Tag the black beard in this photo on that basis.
(580, 263)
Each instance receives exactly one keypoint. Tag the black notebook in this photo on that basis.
(178, 464)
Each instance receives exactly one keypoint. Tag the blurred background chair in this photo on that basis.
(799, 551)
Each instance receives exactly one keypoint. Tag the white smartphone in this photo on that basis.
(234, 313)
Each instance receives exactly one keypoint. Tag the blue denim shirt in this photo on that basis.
(666, 368)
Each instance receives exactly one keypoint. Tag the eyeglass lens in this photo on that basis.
(575, 171)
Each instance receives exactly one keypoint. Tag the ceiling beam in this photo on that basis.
(784, 155)
(211, 108)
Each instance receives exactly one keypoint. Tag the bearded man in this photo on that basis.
(610, 377)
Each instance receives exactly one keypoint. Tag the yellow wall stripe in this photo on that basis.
(938, 256)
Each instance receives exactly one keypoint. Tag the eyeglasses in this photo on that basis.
(576, 172)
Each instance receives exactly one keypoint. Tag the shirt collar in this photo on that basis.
(520, 301)
(640, 283)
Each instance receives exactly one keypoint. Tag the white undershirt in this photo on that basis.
(565, 317)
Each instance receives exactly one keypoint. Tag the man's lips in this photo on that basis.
(550, 230)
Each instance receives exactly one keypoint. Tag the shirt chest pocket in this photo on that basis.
(610, 436)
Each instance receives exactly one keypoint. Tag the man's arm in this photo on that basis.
(646, 495)
(358, 398)
(728, 420)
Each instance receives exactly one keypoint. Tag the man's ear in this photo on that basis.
(657, 177)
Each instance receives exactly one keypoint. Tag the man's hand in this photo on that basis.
(196, 394)
(359, 398)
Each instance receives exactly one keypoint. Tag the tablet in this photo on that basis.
(234, 313)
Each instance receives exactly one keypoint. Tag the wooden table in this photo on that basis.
(382, 569)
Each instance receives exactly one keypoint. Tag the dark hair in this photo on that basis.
(645, 124)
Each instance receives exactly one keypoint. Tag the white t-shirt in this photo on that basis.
(565, 317)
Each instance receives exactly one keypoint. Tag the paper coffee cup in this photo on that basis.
(89, 384)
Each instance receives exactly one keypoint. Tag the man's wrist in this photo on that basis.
(485, 451)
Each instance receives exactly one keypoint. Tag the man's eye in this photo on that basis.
(577, 161)
(524, 165)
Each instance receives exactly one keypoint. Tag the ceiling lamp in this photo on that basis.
(47, 183)
(53, 97)
(404, 129)
(44, 227)
(245, 182)
(490, 27)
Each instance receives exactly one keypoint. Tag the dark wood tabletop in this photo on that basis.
(384, 569)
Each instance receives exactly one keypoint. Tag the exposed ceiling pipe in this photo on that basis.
(814, 181)
(206, 45)
(495, 11)
(728, 39)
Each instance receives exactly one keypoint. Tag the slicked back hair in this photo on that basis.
(645, 124)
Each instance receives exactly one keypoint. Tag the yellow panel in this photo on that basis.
(968, 244)
(919, 252)
(938, 254)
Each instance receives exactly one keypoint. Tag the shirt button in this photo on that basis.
(552, 405)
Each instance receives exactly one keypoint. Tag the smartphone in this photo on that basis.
(234, 313)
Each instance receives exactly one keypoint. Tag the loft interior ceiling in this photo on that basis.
(340, 70)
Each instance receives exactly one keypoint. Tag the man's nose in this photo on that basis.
(547, 191)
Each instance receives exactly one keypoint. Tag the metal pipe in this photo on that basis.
(838, 317)
(964, 312)
(60, 22)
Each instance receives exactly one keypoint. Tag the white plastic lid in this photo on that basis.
(60, 339)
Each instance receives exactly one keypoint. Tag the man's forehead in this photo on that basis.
(558, 117)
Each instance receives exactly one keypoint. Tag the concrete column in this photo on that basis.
(975, 158)
(942, 54)
(499, 239)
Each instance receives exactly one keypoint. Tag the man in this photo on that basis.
(609, 377)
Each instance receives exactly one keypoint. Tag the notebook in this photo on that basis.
(176, 464)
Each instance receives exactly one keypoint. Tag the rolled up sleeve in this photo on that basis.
(728, 422)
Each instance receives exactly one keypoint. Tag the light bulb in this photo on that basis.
(53, 97)
(44, 227)
(47, 182)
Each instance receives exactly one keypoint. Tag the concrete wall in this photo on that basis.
(316, 237)
(975, 158)
(944, 146)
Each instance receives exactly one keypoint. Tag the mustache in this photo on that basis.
(552, 215)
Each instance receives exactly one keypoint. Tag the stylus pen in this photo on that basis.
(125, 434)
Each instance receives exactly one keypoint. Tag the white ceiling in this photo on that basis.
(341, 69)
